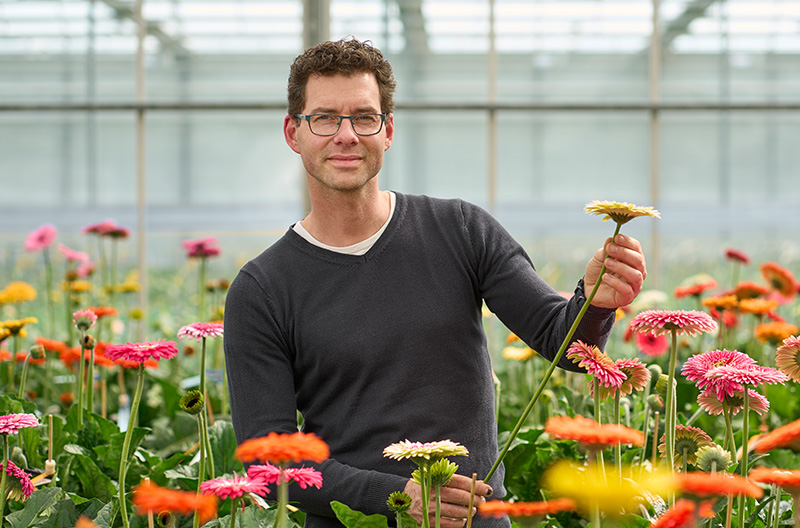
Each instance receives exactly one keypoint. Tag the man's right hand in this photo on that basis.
(454, 498)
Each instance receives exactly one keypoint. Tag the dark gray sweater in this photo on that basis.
(387, 346)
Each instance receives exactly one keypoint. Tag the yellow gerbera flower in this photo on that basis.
(620, 212)
(517, 353)
(18, 292)
(15, 326)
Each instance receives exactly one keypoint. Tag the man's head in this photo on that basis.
(343, 57)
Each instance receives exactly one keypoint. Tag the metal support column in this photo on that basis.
(141, 173)
(654, 262)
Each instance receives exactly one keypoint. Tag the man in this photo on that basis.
(366, 315)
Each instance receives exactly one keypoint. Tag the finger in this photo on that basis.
(631, 257)
(625, 291)
(465, 483)
(459, 497)
(629, 242)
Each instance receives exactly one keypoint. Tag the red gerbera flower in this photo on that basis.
(786, 479)
(148, 497)
(659, 322)
(201, 247)
(702, 484)
(141, 352)
(19, 485)
(736, 256)
(750, 290)
(103, 311)
(99, 228)
(651, 344)
(498, 508)
(51, 345)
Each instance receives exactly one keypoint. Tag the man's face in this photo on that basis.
(344, 161)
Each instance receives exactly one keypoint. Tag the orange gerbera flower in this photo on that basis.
(512, 338)
(750, 290)
(51, 345)
(681, 515)
(70, 356)
(129, 364)
(779, 278)
(5, 355)
(786, 479)
(773, 332)
(787, 436)
(22, 355)
(498, 508)
(721, 302)
(757, 306)
(280, 449)
(590, 433)
(702, 484)
(149, 497)
(102, 311)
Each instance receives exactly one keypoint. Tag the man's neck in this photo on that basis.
(343, 219)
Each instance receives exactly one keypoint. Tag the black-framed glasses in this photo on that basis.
(328, 124)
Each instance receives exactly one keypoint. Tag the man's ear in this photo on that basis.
(290, 132)
(389, 131)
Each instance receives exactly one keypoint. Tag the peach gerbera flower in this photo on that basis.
(750, 290)
(787, 436)
(710, 403)
(498, 508)
(721, 302)
(636, 378)
(659, 322)
(758, 306)
(702, 484)
(619, 212)
(779, 278)
(695, 285)
(590, 433)
(282, 448)
(786, 479)
(787, 357)
(149, 497)
(599, 365)
(774, 332)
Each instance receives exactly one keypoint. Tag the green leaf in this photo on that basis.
(105, 517)
(223, 446)
(159, 469)
(39, 501)
(354, 519)
(95, 483)
(62, 514)
(407, 521)
(109, 454)
(31, 438)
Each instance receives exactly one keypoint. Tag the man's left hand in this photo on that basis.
(624, 275)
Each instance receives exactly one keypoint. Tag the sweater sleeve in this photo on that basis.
(262, 396)
(521, 299)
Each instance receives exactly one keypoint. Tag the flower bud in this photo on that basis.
(661, 384)
(87, 342)
(37, 351)
(399, 501)
(136, 314)
(713, 457)
(192, 402)
(655, 402)
(165, 519)
(71, 275)
(224, 284)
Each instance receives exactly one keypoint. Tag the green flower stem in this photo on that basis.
(82, 363)
(234, 507)
(126, 445)
(685, 457)
(12, 364)
(776, 510)
(425, 479)
(4, 479)
(226, 406)
(729, 441)
(618, 446)
(204, 431)
(743, 468)
(24, 376)
(551, 368)
(283, 499)
(113, 272)
(201, 472)
(669, 420)
(599, 419)
(201, 303)
(438, 506)
(103, 264)
(90, 382)
(596, 516)
(795, 503)
(205, 439)
(48, 280)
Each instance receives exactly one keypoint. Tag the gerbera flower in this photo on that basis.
(780, 278)
(721, 302)
(18, 292)
(786, 479)
(787, 436)
(517, 353)
(512, 338)
(498, 508)
(99, 228)
(51, 345)
(18, 483)
(84, 319)
(282, 448)
(710, 403)
(599, 365)
(72, 255)
(149, 497)
(141, 352)
(787, 357)
(424, 451)
(695, 285)
(725, 379)
(235, 487)
(16, 327)
(682, 514)
(757, 306)
(750, 290)
(773, 332)
(85, 522)
(399, 501)
(303, 476)
(688, 440)
(736, 256)
(40, 238)
(201, 247)
(118, 232)
(636, 378)
(199, 331)
(619, 212)
(696, 367)
(590, 433)
(132, 364)
(104, 311)
(192, 402)
(703, 484)
(713, 458)
(85, 269)
(659, 322)
(651, 344)
(70, 356)
(13, 423)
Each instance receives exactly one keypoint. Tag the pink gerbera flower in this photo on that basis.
(787, 357)
(199, 331)
(118, 232)
(12, 423)
(636, 377)
(735, 402)
(40, 238)
(726, 379)
(73, 255)
(141, 352)
(85, 269)
(270, 474)
(234, 488)
(698, 365)
(99, 228)
(19, 485)
(201, 247)
(651, 344)
(597, 364)
(659, 322)
(84, 319)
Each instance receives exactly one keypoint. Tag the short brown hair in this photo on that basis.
(343, 57)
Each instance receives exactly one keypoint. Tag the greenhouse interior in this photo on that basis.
(151, 176)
